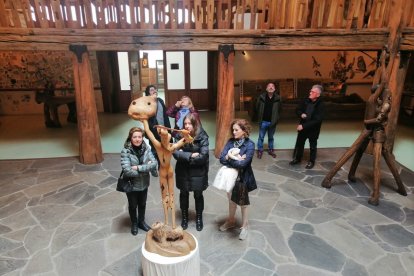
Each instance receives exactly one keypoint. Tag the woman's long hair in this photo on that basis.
(194, 121)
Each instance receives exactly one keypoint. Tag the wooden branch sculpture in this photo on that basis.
(376, 116)
(142, 109)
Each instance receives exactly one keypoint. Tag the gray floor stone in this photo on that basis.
(59, 217)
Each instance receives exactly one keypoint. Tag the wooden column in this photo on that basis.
(225, 96)
(90, 149)
(396, 70)
(396, 86)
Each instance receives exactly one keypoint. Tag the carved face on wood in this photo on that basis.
(142, 108)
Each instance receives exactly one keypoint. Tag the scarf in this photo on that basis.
(238, 143)
(183, 112)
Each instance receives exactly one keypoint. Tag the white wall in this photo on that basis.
(298, 64)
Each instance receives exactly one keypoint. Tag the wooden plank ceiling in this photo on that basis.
(201, 24)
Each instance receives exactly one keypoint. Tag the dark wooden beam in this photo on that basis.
(130, 40)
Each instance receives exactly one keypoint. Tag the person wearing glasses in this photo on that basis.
(311, 113)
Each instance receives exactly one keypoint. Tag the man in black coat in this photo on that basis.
(160, 118)
(310, 112)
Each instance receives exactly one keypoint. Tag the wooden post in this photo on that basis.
(397, 69)
(396, 86)
(90, 149)
(225, 96)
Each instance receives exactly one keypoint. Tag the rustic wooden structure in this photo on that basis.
(130, 25)
(382, 106)
(376, 117)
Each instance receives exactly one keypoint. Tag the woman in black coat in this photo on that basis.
(191, 170)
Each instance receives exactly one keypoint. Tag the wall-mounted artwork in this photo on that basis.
(349, 66)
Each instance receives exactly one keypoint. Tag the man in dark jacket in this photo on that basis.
(160, 118)
(310, 112)
(267, 110)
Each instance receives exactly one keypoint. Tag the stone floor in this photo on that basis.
(59, 217)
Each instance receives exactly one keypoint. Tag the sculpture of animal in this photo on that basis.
(51, 104)
(142, 109)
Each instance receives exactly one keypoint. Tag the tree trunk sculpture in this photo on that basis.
(174, 241)
(376, 116)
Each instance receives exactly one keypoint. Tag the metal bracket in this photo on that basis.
(78, 50)
(226, 50)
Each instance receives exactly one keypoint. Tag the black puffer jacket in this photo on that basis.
(191, 174)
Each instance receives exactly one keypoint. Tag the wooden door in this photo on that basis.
(187, 73)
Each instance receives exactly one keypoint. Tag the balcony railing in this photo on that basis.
(200, 14)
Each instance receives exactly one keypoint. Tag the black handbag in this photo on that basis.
(240, 193)
(124, 185)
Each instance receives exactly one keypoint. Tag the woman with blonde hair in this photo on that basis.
(180, 109)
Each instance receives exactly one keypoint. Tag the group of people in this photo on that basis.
(236, 177)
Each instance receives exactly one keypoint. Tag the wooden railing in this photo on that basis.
(200, 14)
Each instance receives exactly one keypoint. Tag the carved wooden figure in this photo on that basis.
(142, 109)
(51, 104)
(376, 116)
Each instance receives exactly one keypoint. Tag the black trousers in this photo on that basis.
(300, 145)
(198, 197)
(136, 200)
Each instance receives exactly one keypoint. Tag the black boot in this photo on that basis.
(199, 221)
(184, 219)
(134, 221)
(141, 219)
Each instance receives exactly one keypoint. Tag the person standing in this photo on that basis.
(137, 162)
(240, 130)
(311, 113)
(191, 170)
(160, 118)
(180, 109)
(267, 109)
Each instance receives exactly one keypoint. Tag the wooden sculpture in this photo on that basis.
(376, 117)
(173, 239)
(51, 104)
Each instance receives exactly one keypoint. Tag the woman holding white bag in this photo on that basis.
(239, 163)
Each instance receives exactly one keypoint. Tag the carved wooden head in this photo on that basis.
(142, 108)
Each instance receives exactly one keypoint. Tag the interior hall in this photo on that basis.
(69, 71)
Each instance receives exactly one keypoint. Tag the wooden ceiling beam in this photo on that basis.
(126, 40)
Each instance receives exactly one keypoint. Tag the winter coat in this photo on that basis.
(260, 105)
(313, 122)
(191, 174)
(173, 112)
(130, 157)
(245, 166)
